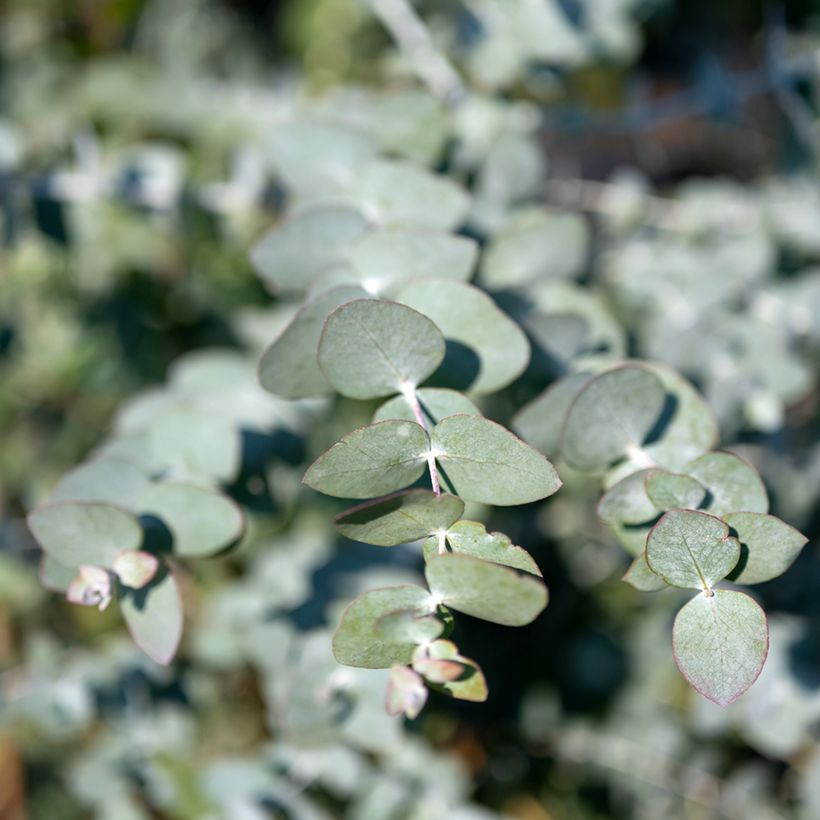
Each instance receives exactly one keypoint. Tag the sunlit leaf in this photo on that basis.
(691, 549)
(483, 462)
(720, 643)
(469, 317)
(356, 642)
(613, 414)
(154, 618)
(370, 348)
(403, 517)
(769, 546)
(74, 533)
(371, 461)
(485, 590)
(733, 485)
(288, 367)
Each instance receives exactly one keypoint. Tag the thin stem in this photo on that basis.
(409, 391)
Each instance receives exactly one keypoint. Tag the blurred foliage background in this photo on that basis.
(134, 178)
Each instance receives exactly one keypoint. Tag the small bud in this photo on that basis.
(135, 568)
(92, 587)
(406, 692)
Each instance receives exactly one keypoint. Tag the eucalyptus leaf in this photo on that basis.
(356, 641)
(371, 348)
(669, 491)
(468, 316)
(483, 462)
(288, 367)
(540, 421)
(486, 590)
(196, 443)
(154, 617)
(385, 256)
(374, 460)
(627, 501)
(534, 244)
(472, 538)
(612, 415)
(81, 532)
(290, 256)
(641, 577)
(769, 546)
(102, 479)
(720, 643)
(396, 193)
(400, 518)
(691, 549)
(407, 626)
(436, 403)
(202, 521)
(733, 484)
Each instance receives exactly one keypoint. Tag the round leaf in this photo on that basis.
(720, 643)
(540, 421)
(291, 255)
(613, 414)
(641, 577)
(201, 521)
(79, 532)
(483, 462)
(370, 348)
(468, 316)
(769, 546)
(627, 502)
(356, 641)
(400, 518)
(288, 367)
(674, 491)
(102, 479)
(485, 590)
(733, 485)
(691, 549)
(135, 568)
(154, 618)
(371, 461)
(387, 255)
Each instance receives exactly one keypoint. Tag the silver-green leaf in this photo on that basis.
(691, 549)
(482, 461)
(612, 416)
(720, 643)
(486, 590)
(371, 348)
(371, 461)
(769, 546)
(733, 484)
(356, 641)
(80, 532)
(400, 518)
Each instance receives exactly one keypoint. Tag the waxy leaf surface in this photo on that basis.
(769, 546)
(691, 549)
(720, 643)
(371, 461)
(397, 519)
(615, 412)
(484, 462)
(74, 533)
(371, 348)
(485, 590)
(358, 643)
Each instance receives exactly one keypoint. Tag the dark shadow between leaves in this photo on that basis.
(460, 367)
(139, 597)
(158, 539)
(668, 411)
